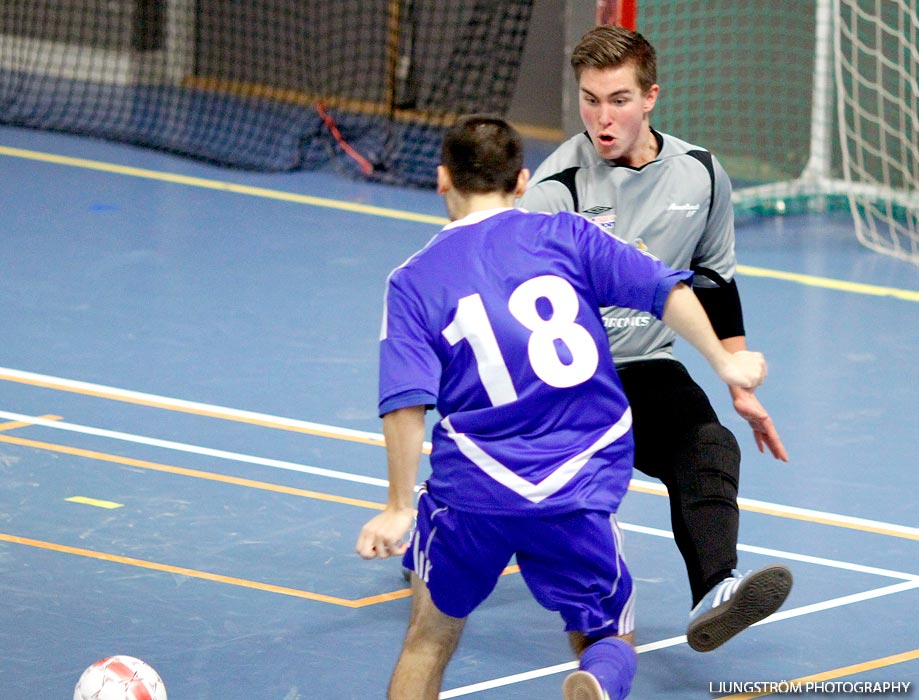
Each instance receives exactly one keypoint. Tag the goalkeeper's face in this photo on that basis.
(615, 112)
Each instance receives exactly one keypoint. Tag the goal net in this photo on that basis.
(810, 106)
(367, 85)
(876, 61)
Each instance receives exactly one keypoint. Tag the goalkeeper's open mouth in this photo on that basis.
(606, 139)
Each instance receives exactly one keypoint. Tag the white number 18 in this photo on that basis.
(472, 324)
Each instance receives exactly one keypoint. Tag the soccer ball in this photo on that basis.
(120, 678)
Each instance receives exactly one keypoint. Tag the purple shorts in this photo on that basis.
(572, 563)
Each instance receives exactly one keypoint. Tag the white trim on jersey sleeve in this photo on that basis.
(536, 493)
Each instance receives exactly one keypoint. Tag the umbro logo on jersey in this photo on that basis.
(594, 211)
(690, 209)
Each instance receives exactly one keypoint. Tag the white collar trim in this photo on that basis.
(475, 217)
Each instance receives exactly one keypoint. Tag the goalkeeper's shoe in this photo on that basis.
(736, 603)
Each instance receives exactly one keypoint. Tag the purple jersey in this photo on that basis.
(497, 321)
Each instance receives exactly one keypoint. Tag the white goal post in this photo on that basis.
(864, 130)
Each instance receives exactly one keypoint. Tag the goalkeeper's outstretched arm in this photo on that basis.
(685, 315)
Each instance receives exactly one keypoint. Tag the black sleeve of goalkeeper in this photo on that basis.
(722, 304)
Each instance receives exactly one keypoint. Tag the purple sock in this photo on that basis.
(612, 661)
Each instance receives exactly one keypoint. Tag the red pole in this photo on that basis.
(628, 14)
(621, 12)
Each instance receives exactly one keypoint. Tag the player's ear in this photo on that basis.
(444, 182)
(523, 177)
(650, 97)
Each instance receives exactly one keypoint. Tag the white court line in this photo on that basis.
(194, 449)
(823, 516)
(782, 554)
(674, 641)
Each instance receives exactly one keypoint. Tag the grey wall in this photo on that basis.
(545, 101)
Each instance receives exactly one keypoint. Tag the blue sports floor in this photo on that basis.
(189, 446)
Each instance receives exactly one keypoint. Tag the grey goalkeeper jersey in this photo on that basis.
(677, 207)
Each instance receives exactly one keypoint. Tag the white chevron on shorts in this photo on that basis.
(552, 483)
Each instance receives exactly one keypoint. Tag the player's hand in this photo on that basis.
(751, 410)
(744, 368)
(384, 535)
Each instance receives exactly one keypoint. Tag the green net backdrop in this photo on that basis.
(737, 78)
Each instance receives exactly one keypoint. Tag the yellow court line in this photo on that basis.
(197, 410)
(250, 483)
(96, 502)
(217, 578)
(838, 673)
(827, 283)
(195, 473)
(206, 575)
(359, 603)
(816, 519)
(810, 517)
(13, 425)
(222, 186)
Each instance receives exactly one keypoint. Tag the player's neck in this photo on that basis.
(462, 206)
(646, 150)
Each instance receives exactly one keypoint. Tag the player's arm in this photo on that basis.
(722, 306)
(713, 265)
(714, 261)
(685, 315)
(749, 408)
(383, 535)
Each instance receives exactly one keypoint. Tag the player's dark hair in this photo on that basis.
(482, 154)
(609, 46)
